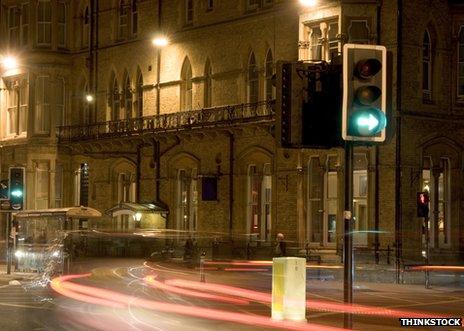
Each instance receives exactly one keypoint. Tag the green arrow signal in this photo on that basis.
(367, 122)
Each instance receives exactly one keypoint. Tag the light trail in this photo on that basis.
(89, 293)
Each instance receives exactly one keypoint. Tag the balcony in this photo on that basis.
(260, 112)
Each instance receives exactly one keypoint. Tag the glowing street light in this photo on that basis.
(308, 3)
(89, 98)
(137, 216)
(9, 63)
(160, 41)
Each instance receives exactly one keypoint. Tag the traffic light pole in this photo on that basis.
(348, 264)
(8, 246)
(427, 251)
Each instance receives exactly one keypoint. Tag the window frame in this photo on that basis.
(122, 20)
(427, 61)
(61, 25)
(252, 80)
(460, 64)
(43, 24)
(269, 71)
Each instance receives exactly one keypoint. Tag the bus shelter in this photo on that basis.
(39, 235)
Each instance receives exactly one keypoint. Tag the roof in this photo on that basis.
(130, 208)
(70, 212)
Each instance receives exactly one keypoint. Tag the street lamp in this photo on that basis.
(308, 3)
(160, 41)
(137, 216)
(9, 62)
(89, 98)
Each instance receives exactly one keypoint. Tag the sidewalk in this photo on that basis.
(19, 276)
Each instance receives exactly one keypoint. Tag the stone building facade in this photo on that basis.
(191, 125)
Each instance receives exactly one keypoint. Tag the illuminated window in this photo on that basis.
(460, 71)
(360, 198)
(42, 105)
(42, 185)
(61, 18)
(269, 73)
(17, 106)
(316, 202)
(186, 86)
(208, 85)
(427, 66)
(44, 23)
(187, 199)
(259, 201)
(252, 80)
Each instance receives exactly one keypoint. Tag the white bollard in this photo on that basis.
(289, 288)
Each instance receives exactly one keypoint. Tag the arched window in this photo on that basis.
(85, 107)
(115, 100)
(122, 20)
(138, 103)
(269, 89)
(187, 199)
(86, 27)
(461, 63)
(127, 94)
(252, 80)
(186, 86)
(134, 17)
(208, 87)
(427, 66)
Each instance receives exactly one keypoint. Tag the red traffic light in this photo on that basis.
(367, 68)
(423, 198)
(423, 204)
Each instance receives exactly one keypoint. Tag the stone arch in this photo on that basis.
(253, 154)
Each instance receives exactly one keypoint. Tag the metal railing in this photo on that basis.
(207, 117)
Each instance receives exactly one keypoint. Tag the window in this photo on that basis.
(122, 20)
(17, 106)
(358, 32)
(186, 86)
(13, 26)
(333, 42)
(209, 5)
(187, 199)
(461, 63)
(360, 198)
(426, 67)
(138, 104)
(86, 27)
(134, 17)
(84, 110)
(24, 24)
(188, 11)
(436, 181)
(61, 18)
(259, 201)
(208, 85)
(44, 23)
(331, 198)
(58, 186)
(60, 102)
(115, 103)
(269, 73)
(252, 4)
(252, 80)
(315, 43)
(315, 194)
(127, 94)
(321, 41)
(42, 185)
(42, 105)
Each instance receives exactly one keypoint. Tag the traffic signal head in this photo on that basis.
(17, 187)
(423, 204)
(364, 92)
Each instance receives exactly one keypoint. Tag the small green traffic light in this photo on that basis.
(367, 122)
(17, 193)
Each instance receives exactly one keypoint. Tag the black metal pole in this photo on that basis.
(8, 246)
(348, 235)
(427, 252)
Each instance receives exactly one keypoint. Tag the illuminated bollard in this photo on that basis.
(289, 288)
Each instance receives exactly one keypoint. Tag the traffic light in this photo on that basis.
(308, 105)
(364, 92)
(17, 187)
(423, 204)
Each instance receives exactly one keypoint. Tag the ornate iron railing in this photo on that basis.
(208, 117)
